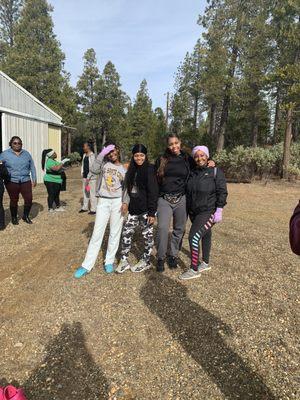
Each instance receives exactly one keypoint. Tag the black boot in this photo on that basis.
(25, 217)
(160, 266)
(14, 215)
(172, 262)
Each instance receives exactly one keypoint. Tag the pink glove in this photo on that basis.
(12, 393)
(218, 215)
(106, 150)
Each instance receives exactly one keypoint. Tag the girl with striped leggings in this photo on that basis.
(206, 195)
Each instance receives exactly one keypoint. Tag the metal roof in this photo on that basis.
(14, 99)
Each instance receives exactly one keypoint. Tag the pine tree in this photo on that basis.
(187, 102)
(87, 95)
(35, 61)
(141, 119)
(286, 28)
(111, 103)
(9, 15)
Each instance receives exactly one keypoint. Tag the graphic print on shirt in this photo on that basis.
(112, 178)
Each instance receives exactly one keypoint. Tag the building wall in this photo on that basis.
(54, 140)
(34, 135)
(15, 99)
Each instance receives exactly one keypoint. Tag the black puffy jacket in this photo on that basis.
(206, 190)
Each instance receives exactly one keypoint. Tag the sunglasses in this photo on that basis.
(16, 143)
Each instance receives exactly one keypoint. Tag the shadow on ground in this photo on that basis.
(35, 210)
(201, 334)
(67, 372)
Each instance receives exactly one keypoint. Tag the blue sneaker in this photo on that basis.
(109, 268)
(80, 272)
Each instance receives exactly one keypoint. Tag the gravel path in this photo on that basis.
(233, 334)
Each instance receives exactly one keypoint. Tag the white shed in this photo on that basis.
(23, 115)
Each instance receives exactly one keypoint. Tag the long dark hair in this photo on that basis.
(44, 153)
(164, 159)
(132, 170)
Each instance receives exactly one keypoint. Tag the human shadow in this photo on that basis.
(68, 371)
(201, 334)
(34, 212)
(88, 232)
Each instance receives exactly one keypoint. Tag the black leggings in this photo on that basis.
(200, 231)
(53, 190)
(2, 220)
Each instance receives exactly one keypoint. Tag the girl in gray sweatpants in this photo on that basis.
(173, 169)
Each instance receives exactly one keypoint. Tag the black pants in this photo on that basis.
(2, 216)
(200, 232)
(53, 190)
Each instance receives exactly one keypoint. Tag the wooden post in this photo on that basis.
(69, 142)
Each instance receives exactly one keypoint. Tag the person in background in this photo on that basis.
(53, 179)
(4, 177)
(140, 198)
(22, 172)
(109, 209)
(88, 184)
(295, 231)
(206, 195)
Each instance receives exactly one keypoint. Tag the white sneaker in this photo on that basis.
(203, 267)
(60, 209)
(51, 210)
(190, 274)
(122, 266)
(141, 266)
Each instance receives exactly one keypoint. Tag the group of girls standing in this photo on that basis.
(177, 185)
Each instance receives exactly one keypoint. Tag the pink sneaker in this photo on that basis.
(1, 393)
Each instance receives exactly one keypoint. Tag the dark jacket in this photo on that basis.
(206, 190)
(176, 175)
(295, 231)
(4, 175)
(144, 198)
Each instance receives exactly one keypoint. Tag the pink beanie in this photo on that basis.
(202, 148)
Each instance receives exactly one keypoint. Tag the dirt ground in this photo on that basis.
(232, 334)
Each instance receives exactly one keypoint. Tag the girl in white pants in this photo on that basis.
(109, 208)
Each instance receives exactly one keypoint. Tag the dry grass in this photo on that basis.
(233, 334)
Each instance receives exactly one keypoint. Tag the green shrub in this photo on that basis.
(246, 163)
(293, 172)
(75, 158)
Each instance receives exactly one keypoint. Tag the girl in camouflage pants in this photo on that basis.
(140, 199)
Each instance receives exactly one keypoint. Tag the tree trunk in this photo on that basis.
(226, 100)
(277, 118)
(254, 132)
(196, 112)
(287, 144)
(228, 87)
(95, 146)
(212, 120)
(103, 137)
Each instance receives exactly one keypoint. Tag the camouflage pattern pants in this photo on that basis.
(134, 221)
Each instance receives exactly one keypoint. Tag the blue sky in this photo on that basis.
(143, 38)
